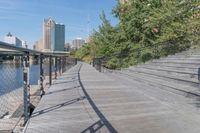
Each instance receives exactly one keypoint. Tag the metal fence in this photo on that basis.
(24, 76)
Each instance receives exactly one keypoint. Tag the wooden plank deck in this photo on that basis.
(83, 100)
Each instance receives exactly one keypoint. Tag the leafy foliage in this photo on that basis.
(147, 29)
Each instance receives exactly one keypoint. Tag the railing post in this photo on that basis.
(50, 69)
(99, 64)
(75, 61)
(56, 67)
(60, 65)
(199, 76)
(41, 75)
(26, 86)
(93, 63)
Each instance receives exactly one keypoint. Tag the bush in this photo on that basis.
(113, 63)
(146, 56)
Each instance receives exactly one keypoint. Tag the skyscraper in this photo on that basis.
(48, 33)
(59, 37)
(38, 45)
(53, 35)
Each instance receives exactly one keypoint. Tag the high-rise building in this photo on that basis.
(38, 45)
(53, 35)
(48, 33)
(78, 43)
(13, 40)
(59, 37)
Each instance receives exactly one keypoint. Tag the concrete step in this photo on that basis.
(177, 80)
(181, 58)
(165, 72)
(190, 51)
(173, 64)
(171, 69)
(178, 61)
(181, 78)
(162, 83)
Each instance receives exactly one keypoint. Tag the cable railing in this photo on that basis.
(158, 50)
(24, 77)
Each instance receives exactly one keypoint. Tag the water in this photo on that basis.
(11, 76)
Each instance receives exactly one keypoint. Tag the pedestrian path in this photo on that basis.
(84, 100)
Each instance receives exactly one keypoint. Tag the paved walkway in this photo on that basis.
(83, 100)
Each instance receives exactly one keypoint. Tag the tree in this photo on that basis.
(147, 29)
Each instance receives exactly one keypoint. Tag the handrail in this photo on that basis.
(20, 50)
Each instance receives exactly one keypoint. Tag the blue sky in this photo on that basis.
(24, 18)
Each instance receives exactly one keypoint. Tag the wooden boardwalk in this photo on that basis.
(83, 100)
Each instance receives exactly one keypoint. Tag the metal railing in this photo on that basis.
(24, 75)
(160, 49)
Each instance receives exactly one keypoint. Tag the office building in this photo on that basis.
(78, 43)
(48, 33)
(13, 40)
(39, 45)
(59, 40)
(53, 35)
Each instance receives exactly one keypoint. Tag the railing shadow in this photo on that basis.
(57, 91)
(46, 110)
(63, 82)
(94, 127)
(103, 121)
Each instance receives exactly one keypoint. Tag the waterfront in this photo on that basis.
(12, 76)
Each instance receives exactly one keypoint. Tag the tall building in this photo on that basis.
(48, 33)
(53, 35)
(59, 37)
(38, 45)
(13, 40)
(78, 43)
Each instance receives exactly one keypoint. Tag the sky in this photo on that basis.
(24, 18)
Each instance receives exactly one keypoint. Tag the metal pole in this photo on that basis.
(50, 74)
(56, 67)
(41, 75)
(93, 63)
(75, 61)
(60, 65)
(65, 64)
(26, 86)
(99, 65)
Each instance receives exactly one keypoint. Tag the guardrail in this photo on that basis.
(141, 54)
(20, 68)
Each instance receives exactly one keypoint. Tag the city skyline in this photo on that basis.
(24, 18)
